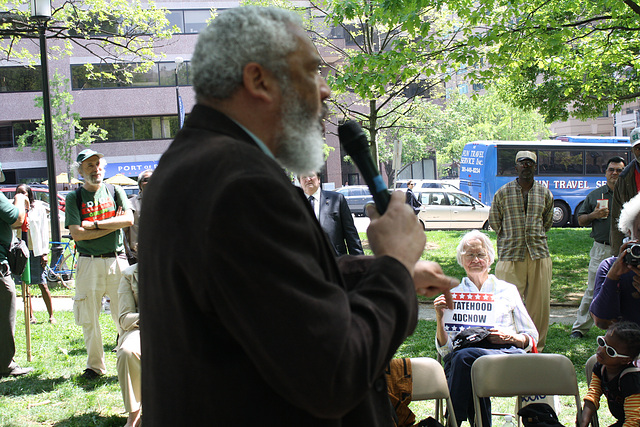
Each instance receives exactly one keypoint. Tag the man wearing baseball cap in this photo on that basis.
(521, 214)
(95, 215)
(626, 188)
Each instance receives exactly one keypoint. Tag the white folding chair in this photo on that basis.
(588, 370)
(506, 375)
(430, 382)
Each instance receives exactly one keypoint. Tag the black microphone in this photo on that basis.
(355, 142)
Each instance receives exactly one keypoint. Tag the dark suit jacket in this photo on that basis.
(246, 318)
(336, 220)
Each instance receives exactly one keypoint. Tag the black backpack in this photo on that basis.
(539, 415)
(18, 255)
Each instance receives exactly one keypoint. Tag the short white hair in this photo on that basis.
(486, 243)
(75, 167)
(628, 215)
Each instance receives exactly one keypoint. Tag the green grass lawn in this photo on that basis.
(54, 395)
(569, 248)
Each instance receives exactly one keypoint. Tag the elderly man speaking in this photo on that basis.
(247, 318)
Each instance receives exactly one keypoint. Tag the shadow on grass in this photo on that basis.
(92, 419)
(29, 385)
(80, 348)
(90, 385)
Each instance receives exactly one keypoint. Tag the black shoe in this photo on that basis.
(90, 374)
(16, 372)
(576, 335)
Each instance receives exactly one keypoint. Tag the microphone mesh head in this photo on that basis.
(352, 136)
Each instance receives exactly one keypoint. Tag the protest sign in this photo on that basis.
(469, 310)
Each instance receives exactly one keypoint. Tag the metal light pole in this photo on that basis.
(179, 62)
(41, 13)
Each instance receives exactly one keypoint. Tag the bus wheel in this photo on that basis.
(486, 226)
(560, 214)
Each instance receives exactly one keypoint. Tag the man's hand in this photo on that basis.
(600, 212)
(397, 233)
(430, 280)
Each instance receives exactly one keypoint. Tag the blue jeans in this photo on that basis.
(457, 367)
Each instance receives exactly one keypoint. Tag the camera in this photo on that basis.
(632, 255)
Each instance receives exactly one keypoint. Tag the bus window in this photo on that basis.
(560, 162)
(596, 160)
(507, 161)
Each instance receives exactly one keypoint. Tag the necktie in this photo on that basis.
(312, 200)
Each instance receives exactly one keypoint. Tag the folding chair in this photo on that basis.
(430, 382)
(588, 369)
(506, 375)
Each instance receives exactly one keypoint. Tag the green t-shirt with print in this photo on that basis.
(96, 206)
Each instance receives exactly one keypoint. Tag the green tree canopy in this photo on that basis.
(561, 57)
(446, 129)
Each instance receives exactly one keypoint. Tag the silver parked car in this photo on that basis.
(357, 197)
(448, 208)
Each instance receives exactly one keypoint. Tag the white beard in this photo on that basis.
(301, 140)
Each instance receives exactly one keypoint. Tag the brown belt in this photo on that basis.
(107, 255)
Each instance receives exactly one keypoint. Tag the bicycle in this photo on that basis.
(64, 267)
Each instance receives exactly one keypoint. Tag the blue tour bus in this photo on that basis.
(570, 166)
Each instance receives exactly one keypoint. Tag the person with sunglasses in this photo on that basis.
(131, 233)
(616, 376)
(616, 295)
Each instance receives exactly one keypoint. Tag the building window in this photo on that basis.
(20, 79)
(195, 20)
(478, 87)
(463, 89)
(136, 128)
(176, 19)
(160, 74)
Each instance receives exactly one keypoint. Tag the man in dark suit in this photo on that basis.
(334, 215)
(248, 318)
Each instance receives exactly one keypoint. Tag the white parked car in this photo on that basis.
(451, 209)
(422, 184)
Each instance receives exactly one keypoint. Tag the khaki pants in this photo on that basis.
(129, 369)
(584, 321)
(532, 277)
(95, 278)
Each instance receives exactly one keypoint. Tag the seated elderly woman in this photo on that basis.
(512, 331)
(616, 294)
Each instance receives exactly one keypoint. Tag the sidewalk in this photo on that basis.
(559, 314)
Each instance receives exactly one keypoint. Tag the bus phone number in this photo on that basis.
(469, 169)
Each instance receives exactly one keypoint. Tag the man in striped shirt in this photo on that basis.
(521, 214)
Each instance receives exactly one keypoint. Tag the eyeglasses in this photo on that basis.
(611, 352)
(480, 256)
(145, 179)
(526, 163)
(614, 170)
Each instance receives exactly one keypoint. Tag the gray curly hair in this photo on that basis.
(237, 37)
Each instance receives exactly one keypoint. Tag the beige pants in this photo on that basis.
(129, 369)
(533, 280)
(95, 278)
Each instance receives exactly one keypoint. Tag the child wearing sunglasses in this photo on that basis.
(616, 376)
